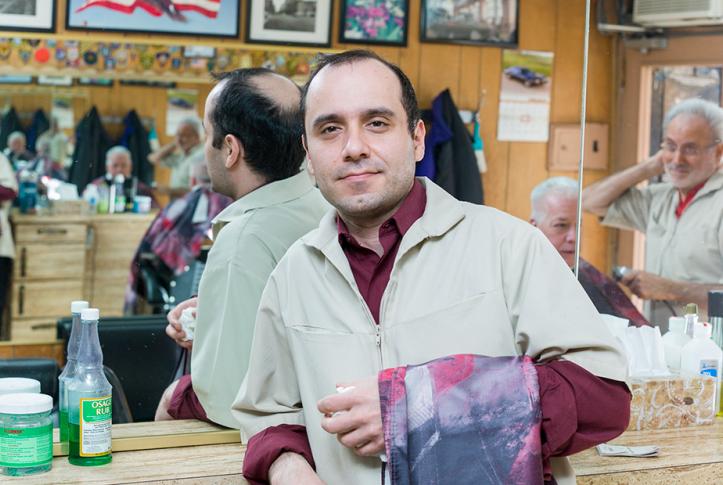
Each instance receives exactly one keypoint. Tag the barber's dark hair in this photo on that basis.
(409, 98)
(270, 133)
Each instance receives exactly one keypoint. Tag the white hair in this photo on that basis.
(115, 150)
(16, 135)
(710, 112)
(194, 123)
(564, 186)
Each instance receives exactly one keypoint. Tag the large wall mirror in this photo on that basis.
(474, 75)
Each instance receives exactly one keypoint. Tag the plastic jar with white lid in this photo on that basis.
(26, 434)
(17, 385)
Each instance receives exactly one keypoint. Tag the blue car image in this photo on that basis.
(526, 76)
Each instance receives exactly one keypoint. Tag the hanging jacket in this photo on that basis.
(135, 139)
(10, 122)
(38, 126)
(91, 144)
(455, 161)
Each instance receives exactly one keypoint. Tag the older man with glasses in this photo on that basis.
(682, 218)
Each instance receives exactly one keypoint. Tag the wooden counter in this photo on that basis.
(61, 258)
(183, 452)
(691, 455)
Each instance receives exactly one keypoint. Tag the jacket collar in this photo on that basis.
(713, 184)
(441, 214)
(275, 193)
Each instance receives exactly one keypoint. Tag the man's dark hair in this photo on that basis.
(409, 98)
(269, 132)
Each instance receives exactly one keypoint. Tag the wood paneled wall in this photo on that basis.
(468, 71)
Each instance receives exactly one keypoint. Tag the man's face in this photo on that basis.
(691, 153)
(187, 137)
(214, 156)
(357, 141)
(559, 224)
(17, 145)
(119, 163)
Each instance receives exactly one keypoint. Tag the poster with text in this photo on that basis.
(62, 110)
(524, 111)
(181, 105)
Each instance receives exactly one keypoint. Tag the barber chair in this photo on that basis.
(140, 354)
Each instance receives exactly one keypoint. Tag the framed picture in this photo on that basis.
(289, 22)
(210, 18)
(374, 22)
(28, 15)
(478, 22)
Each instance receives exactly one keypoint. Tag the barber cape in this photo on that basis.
(467, 279)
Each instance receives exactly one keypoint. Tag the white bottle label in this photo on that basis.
(709, 367)
(96, 416)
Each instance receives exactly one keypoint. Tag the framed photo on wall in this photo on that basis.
(374, 22)
(479, 22)
(210, 18)
(28, 15)
(289, 22)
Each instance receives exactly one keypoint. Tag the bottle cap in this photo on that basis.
(715, 303)
(90, 314)
(14, 385)
(702, 330)
(676, 324)
(119, 179)
(78, 306)
(691, 309)
(25, 403)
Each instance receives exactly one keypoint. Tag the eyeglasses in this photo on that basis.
(688, 149)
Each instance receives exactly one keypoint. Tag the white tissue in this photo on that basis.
(644, 348)
(188, 322)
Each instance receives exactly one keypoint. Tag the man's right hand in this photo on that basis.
(292, 469)
(174, 328)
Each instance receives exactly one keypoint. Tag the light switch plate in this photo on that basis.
(564, 147)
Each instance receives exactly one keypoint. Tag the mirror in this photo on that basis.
(472, 73)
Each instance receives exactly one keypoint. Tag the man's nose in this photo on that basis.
(571, 235)
(356, 146)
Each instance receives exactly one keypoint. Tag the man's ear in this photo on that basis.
(533, 222)
(309, 163)
(418, 140)
(234, 150)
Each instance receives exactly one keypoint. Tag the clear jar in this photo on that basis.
(26, 434)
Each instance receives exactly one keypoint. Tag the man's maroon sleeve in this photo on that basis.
(266, 446)
(6, 193)
(579, 409)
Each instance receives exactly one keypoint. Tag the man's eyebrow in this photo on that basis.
(320, 120)
(370, 113)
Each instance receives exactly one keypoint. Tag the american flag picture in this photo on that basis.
(183, 17)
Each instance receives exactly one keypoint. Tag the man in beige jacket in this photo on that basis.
(254, 154)
(403, 273)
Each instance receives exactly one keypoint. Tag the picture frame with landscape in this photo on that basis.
(27, 15)
(382, 22)
(289, 22)
(476, 22)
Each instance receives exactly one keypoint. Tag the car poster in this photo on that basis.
(181, 106)
(524, 111)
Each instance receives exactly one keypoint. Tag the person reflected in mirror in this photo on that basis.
(17, 151)
(118, 162)
(403, 273)
(43, 164)
(180, 155)
(554, 212)
(8, 193)
(254, 155)
(173, 241)
(681, 217)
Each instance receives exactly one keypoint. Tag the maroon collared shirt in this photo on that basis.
(579, 409)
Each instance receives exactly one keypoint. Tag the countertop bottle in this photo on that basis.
(89, 400)
(702, 356)
(673, 342)
(691, 318)
(26, 434)
(70, 367)
(715, 315)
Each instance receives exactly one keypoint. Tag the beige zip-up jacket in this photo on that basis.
(466, 279)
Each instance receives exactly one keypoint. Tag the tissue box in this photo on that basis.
(671, 402)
